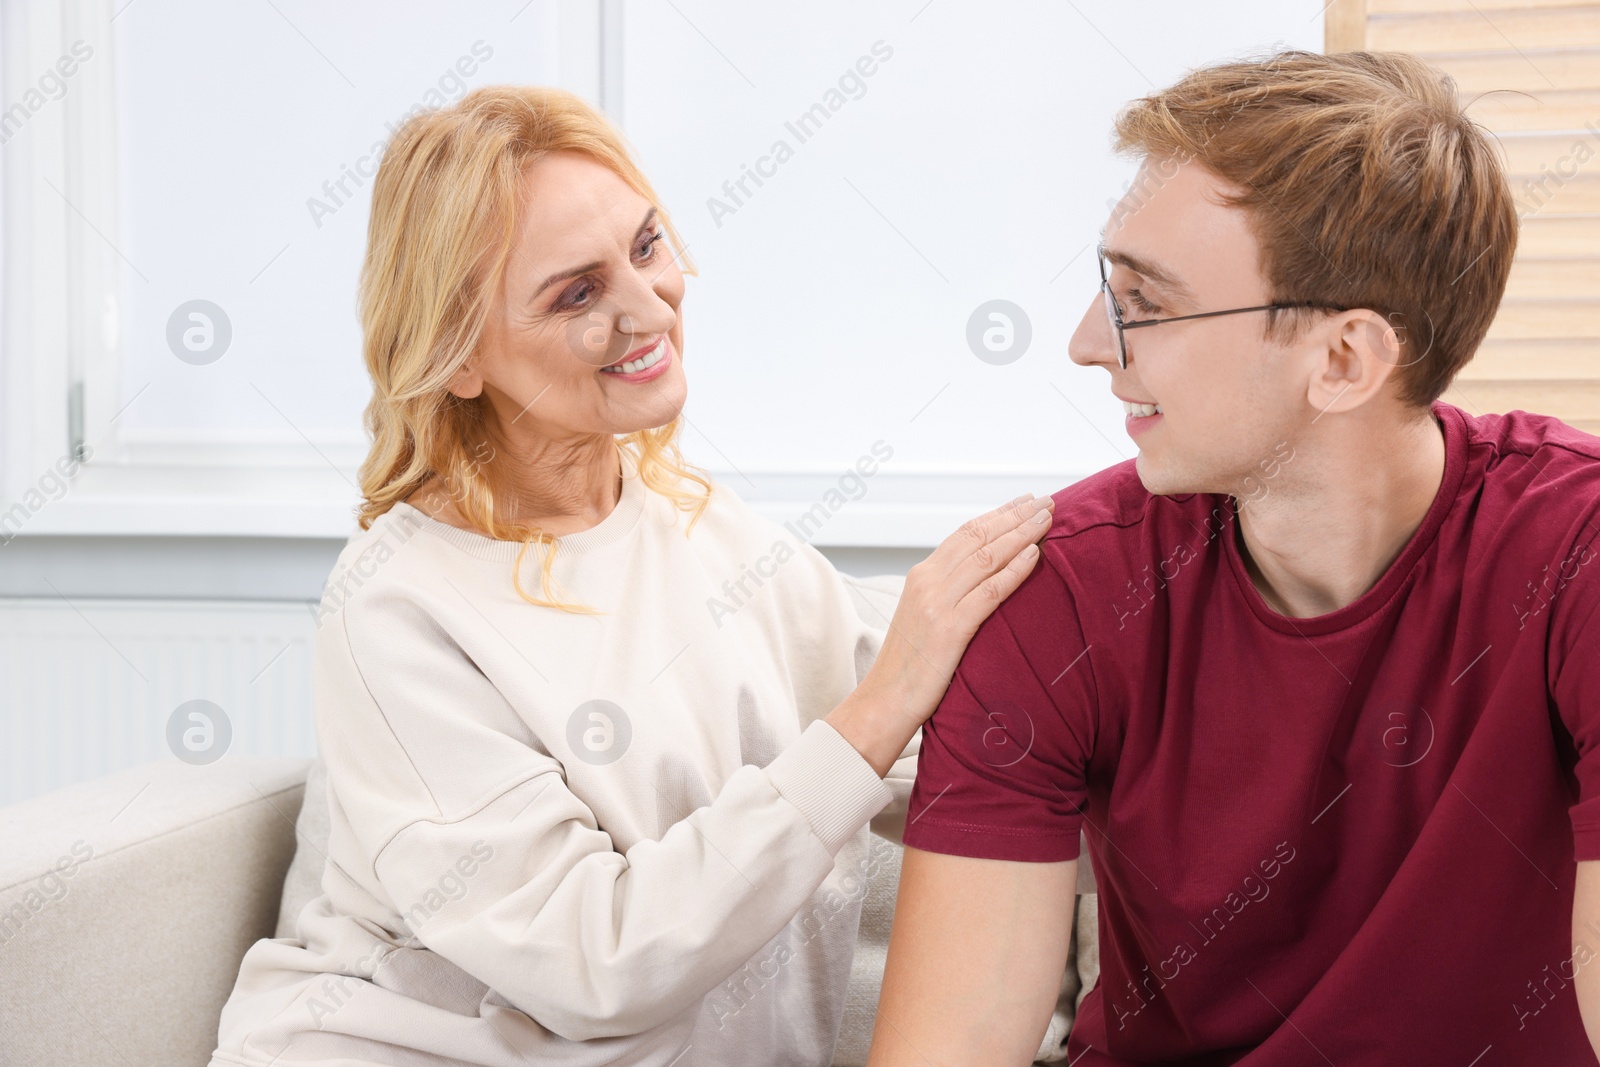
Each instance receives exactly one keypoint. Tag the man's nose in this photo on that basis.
(1092, 342)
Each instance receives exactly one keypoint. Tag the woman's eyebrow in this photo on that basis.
(561, 276)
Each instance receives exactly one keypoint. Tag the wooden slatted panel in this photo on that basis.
(1544, 72)
(1573, 402)
(1528, 70)
(1418, 7)
(1564, 236)
(1542, 320)
(1567, 156)
(1512, 111)
(1539, 193)
(1533, 360)
(1470, 29)
(1546, 279)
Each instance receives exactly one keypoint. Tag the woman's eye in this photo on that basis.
(578, 295)
(574, 297)
(647, 251)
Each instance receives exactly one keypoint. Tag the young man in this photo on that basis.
(1318, 673)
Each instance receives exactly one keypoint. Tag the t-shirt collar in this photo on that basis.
(1454, 423)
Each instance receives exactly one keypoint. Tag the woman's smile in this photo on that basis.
(643, 365)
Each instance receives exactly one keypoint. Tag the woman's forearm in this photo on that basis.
(875, 720)
(946, 597)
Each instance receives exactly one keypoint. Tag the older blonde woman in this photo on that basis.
(561, 819)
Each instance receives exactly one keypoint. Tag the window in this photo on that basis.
(186, 195)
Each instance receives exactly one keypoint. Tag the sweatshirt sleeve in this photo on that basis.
(875, 609)
(465, 825)
(858, 612)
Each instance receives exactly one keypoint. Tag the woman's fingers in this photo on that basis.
(989, 558)
(988, 593)
(949, 594)
(974, 534)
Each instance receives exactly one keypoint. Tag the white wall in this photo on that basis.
(972, 165)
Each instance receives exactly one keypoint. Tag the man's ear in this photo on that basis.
(1357, 352)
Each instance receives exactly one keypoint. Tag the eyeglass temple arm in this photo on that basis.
(1126, 325)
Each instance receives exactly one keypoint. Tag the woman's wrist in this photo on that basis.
(877, 722)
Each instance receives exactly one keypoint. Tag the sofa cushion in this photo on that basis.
(127, 901)
(304, 880)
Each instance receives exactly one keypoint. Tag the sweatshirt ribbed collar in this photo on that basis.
(623, 518)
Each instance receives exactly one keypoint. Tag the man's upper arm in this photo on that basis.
(1586, 916)
(1575, 648)
(976, 955)
(1574, 671)
(983, 921)
(1002, 771)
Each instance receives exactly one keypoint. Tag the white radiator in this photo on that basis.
(90, 686)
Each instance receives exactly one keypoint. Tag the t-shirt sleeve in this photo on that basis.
(1575, 683)
(1003, 767)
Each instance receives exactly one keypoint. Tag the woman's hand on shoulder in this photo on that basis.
(946, 598)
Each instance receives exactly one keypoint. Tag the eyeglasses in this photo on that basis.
(1118, 325)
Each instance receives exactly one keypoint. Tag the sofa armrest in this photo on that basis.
(127, 902)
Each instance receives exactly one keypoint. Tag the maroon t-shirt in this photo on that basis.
(1345, 839)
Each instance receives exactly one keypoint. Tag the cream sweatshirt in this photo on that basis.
(624, 838)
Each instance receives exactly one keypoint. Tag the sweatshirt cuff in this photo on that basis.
(831, 783)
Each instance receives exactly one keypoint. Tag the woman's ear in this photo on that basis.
(466, 382)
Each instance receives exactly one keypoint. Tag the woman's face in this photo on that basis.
(591, 284)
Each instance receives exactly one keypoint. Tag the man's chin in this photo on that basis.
(1158, 481)
(1150, 476)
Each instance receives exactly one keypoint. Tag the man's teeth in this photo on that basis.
(649, 359)
(1141, 409)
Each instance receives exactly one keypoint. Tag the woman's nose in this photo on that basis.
(647, 323)
(645, 312)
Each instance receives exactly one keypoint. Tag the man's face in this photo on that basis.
(1228, 397)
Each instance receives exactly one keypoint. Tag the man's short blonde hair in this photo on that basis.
(1366, 186)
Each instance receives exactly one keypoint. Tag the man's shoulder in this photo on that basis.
(1113, 506)
(1535, 466)
(1528, 433)
(1109, 537)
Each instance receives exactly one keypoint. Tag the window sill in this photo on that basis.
(902, 509)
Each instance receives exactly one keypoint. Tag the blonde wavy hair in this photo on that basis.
(444, 218)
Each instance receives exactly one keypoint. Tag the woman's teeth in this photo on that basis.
(649, 359)
(1141, 409)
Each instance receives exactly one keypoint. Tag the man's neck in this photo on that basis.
(1320, 541)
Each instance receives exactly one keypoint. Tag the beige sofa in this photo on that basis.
(127, 902)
